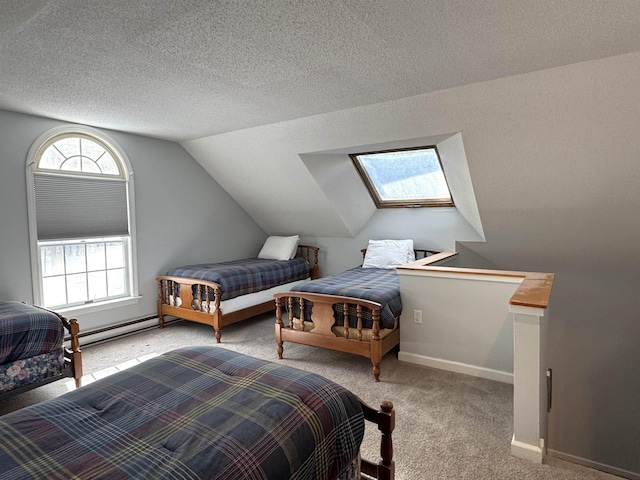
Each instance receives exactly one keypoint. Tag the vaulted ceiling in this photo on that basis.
(187, 69)
(270, 96)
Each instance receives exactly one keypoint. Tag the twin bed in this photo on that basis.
(356, 311)
(31, 348)
(198, 413)
(224, 293)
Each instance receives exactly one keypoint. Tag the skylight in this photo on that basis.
(411, 177)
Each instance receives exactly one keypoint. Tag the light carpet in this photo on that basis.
(448, 425)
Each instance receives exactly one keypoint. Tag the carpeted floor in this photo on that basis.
(448, 425)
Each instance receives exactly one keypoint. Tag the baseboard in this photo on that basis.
(458, 367)
(595, 465)
(533, 453)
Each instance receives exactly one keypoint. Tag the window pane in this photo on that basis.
(108, 164)
(412, 176)
(115, 254)
(71, 164)
(116, 282)
(68, 146)
(89, 166)
(54, 291)
(77, 288)
(406, 175)
(75, 258)
(91, 149)
(97, 285)
(52, 260)
(95, 256)
(51, 158)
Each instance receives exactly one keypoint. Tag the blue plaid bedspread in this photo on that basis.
(374, 284)
(192, 413)
(26, 331)
(250, 275)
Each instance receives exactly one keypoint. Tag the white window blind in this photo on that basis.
(80, 207)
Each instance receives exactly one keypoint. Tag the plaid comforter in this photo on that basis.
(375, 284)
(26, 331)
(250, 275)
(192, 413)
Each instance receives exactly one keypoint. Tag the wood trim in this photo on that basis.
(534, 289)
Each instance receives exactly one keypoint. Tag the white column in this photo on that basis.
(529, 384)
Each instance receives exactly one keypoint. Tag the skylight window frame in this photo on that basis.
(402, 203)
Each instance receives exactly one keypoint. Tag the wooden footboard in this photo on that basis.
(385, 419)
(176, 298)
(73, 356)
(324, 330)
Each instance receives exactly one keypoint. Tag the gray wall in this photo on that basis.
(183, 215)
(554, 157)
(433, 229)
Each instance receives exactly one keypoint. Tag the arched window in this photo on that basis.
(81, 221)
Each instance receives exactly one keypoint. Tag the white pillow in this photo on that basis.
(388, 253)
(279, 248)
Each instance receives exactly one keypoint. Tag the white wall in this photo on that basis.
(183, 215)
(466, 325)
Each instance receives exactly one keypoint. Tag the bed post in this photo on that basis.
(385, 418)
(376, 349)
(279, 326)
(74, 330)
(160, 302)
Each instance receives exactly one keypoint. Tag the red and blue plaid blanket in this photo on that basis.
(27, 331)
(193, 413)
(374, 284)
(250, 275)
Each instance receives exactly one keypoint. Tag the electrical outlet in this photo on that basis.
(417, 316)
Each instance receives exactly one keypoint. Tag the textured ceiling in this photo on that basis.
(179, 69)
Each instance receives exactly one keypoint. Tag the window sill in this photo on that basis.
(99, 306)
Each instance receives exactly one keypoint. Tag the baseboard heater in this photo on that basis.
(119, 330)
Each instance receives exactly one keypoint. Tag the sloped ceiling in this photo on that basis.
(186, 69)
(267, 94)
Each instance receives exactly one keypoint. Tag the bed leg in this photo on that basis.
(218, 335)
(161, 321)
(279, 341)
(376, 372)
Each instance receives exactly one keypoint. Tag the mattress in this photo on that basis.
(192, 413)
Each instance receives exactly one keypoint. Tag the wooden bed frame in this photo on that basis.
(208, 312)
(72, 360)
(323, 329)
(385, 419)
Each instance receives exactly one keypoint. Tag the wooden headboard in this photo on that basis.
(310, 254)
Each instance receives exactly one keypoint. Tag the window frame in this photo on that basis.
(404, 203)
(45, 140)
